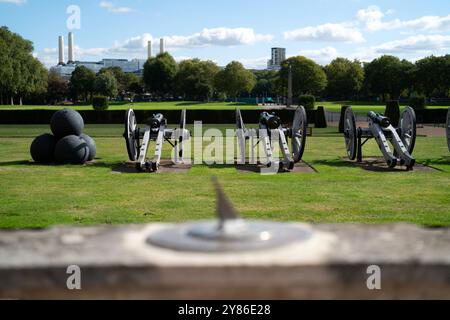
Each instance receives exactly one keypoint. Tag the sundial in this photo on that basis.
(229, 233)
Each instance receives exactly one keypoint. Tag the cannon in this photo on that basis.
(396, 144)
(268, 124)
(447, 126)
(138, 140)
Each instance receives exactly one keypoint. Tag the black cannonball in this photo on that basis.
(67, 122)
(43, 149)
(72, 150)
(92, 146)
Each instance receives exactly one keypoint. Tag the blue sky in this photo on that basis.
(242, 30)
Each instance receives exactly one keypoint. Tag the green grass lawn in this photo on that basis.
(35, 196)
(358, 107)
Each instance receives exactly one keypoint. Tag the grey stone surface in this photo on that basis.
(116, 262)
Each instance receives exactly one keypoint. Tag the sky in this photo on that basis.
(242, 30)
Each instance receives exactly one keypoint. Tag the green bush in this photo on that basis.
(100, 103)
(321, 119)
(393, 111)
(308, 101)
(417, 102)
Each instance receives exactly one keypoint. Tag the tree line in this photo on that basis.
(24, 78)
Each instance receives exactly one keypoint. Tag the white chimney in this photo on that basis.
(149, 48)
(71, 49)
(161, 45)
(61, 50)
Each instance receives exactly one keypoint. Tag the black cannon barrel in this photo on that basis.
(270, 120)
(379, 119)
(156, 121)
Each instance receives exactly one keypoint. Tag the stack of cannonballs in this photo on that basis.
(68, 144)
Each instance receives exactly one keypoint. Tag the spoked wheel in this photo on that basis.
(448, 129)
(182, 133)
(130, 135)
(299, 129)
(240, 133)
(239, 121)
(350, 134)
(408, 129)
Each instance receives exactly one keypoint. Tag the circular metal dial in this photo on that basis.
(350, 133)
(408, 129)
(130, 135)
(208, 237)
(299, 129)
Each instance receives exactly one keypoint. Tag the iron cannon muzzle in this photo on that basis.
(379, 119)
(156, 121)
(270, 120)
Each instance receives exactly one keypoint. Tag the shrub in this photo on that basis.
(321, 120)
(308, 101)
(393, 111)
(100, 103)
(417, 102)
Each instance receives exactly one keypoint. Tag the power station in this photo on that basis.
(65, 69)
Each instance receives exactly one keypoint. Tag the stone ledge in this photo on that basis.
(116, 262)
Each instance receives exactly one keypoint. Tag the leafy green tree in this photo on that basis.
(159, 74)
(82, 82)
(388, 76)
(121, 77)
(195, 79)
(265, 83)
(307, 76)
(21, 74)
(235, 80)
(58, 87)
(345, 78)
(433, 75)
(106, 84)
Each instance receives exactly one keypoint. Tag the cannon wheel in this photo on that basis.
(448, 129)
(408, 128)
(131, 140)
(350, 133)
(299, 128)
(239, 122)
(182, 133)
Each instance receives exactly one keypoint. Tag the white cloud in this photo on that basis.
(111, 7)
(427, 43)
(322, 56)
(255, 63)
(218, 37)
(329, 32)
(16, 2)
(372, 17)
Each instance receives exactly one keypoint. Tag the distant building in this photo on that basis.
(65, 70)
(278, 56)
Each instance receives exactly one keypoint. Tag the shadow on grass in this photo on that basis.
(336, 163)
(18, 163)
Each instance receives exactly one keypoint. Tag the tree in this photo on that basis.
(159, 74)
(121, 78)
(195, 79)
(82, 82)
(235, 80)
(433, 75)
(21, 74)
(388, 76)
(307, 76)
(345, 78)
(265, 83)
(58, 88)
(106, 84)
